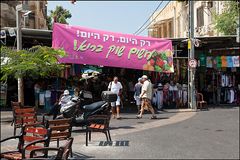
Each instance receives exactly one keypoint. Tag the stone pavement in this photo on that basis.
(128, 124)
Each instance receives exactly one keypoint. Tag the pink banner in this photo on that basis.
(95, 47)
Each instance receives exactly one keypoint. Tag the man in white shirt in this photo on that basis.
(146, 96)
(115, 87)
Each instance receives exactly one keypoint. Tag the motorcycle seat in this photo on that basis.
(93, 106)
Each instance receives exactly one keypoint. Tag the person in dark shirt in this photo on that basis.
(137, 92)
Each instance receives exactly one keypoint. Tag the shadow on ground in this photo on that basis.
(77, 155)
(122, 127)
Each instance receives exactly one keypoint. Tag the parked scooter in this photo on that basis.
(80, 108)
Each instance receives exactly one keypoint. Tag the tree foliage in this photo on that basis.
(226, 22)
(60, 15)
(37, 62)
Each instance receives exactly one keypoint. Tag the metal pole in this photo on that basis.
(189, 50)
(19, 33)
(19, 47)
(191, 55)
(24, 21)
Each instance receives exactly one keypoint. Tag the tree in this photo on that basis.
(226, 22)
(36, 62)
(59, 15)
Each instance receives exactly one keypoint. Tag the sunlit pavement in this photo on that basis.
(186, 134)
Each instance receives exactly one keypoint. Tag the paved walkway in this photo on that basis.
(175, 134)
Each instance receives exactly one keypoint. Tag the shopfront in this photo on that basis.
(218, 71)
(218, 76)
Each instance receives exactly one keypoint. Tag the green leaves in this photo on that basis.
(36, 62)
(227, 21)
(60, 15)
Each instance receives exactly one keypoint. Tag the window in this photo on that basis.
(170, 29)
(159, 31)
(178, 27)
(200, 18)
(164, 30)
(209, 4)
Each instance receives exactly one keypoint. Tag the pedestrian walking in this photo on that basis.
(146, 96)
(137, 92)
(116, 87)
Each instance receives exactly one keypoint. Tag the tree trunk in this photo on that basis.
(20, 91)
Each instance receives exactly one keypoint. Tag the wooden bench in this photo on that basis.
(31, 138)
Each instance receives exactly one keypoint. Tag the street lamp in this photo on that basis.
(25, 15)
(20, 8)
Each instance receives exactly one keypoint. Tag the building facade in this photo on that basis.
(218, 64)
(35, 20)
(172, 21)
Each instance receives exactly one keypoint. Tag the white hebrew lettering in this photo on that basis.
(96, 36)
(90, 34)
(122, 39)
(112, 37)
(134, 41)
(105, 37)
(83, 34)
(149, 44)
(142, 43)
(78, 33)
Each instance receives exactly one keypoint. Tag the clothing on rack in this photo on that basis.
(185, 96)
(227, 80)
(228, 95)
(158, 96)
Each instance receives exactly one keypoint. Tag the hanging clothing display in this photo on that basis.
(224, 61)
(229, 61)
(185, 94)
(209, 62)
(158, 96)
(227, 80)
(235, 60)
(228, 95)
(219, 62)
(165, 93)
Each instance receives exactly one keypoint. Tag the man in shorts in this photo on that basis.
(146, 96)
(116, 87)
(137, 92)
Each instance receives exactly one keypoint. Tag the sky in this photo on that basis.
(115, 16)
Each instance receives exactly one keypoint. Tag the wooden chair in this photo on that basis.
(31, 138)
(61, 129)
(15, 105)
(98, 123)
(62, 152)
(24, 116)
(200, 102)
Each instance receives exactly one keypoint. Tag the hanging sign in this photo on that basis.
(192, 63)
(95, 47)
(189, 44)
(3, 34)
